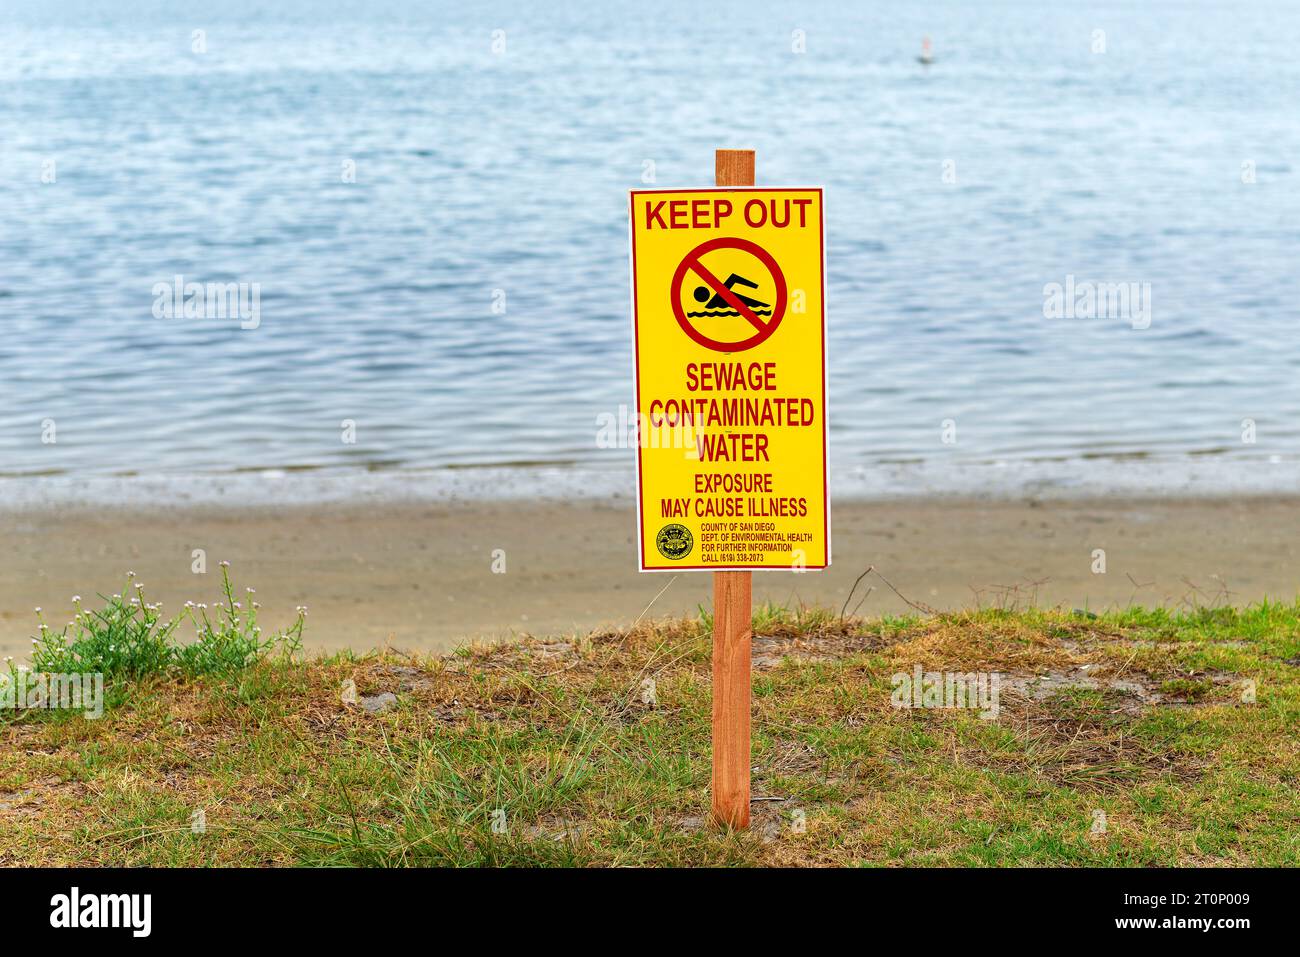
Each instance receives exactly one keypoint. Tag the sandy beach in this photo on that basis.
(421, 576)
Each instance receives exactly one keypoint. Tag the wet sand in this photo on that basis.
(420, 575)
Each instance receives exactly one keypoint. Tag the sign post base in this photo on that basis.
(732, 631)
(732, 628)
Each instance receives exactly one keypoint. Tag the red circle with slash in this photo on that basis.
(691, 263)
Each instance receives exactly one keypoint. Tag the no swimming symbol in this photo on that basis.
(764, 317)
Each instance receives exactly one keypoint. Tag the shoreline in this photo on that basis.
(1156, 477)
(419, 575)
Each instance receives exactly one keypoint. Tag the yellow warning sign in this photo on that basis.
(729, 325)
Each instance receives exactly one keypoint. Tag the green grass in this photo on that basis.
(130, 638)
(1181, 730)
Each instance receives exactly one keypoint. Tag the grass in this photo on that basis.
(130, 638)
(1177, 729)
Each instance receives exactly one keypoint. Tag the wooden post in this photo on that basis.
(732, 628)
(731, 643)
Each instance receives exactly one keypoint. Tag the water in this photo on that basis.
(478, 171)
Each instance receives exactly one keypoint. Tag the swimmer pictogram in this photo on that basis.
(717, 306)
(720, 299)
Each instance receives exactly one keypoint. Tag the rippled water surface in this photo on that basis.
(480, 174)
